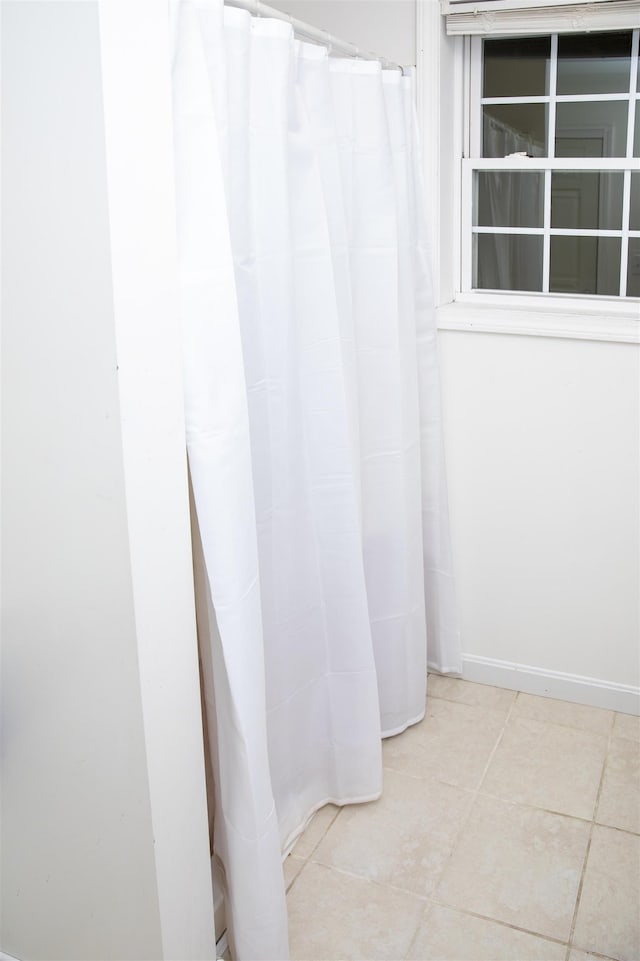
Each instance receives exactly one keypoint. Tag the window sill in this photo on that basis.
(575, 323)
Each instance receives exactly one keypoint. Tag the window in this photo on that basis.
(551, 179)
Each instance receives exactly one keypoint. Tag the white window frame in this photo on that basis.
(471, 163)
(444, 110)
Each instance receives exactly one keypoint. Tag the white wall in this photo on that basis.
(542, 443)
(542, 448)
(385, 27)
(100, 703)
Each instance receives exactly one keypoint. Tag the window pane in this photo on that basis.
(587, 200)
(634, 217)
(633, 268)
(592, 129)
(507, 262)
(636, 139)
(594, 63)
(516, 68)
(509, 199)
(585, 265)
(514, 127)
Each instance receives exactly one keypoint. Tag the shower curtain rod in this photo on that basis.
(315, 34)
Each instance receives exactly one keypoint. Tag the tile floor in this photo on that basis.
(509, 830)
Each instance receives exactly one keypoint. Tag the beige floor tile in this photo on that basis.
(467, 692)
(404, 839)
(334, 915)
(548, 766)
(448, 935)
(608, 919)
(315, 830)
(627, 725)
(584, 718)
(292, 866)
(517, 865)
(452, 744)
(619, 805)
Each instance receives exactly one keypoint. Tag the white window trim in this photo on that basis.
(444, 82)
(524, 17)
(475, 6)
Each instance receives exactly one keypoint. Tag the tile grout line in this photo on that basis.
(430, 779)
(570, 944)
(383, 885)
(322, 836)
(474, 795)
(613, 736)
(423, 917)
(504, 924)
(613, 827)
(476, 791)
(379, 884)
(497, 744)
(458, 834)
(537, 807)
(473, 792)
(290, 885)
(478, 707)
(526, 717)
(313, 850)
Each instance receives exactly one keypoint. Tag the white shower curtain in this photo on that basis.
(313, 431)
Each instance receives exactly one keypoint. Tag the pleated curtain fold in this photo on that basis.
(313, 431)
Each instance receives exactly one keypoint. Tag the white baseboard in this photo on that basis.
(565, 687)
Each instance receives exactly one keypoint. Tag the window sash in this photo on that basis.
(473, 162)
(546, 165)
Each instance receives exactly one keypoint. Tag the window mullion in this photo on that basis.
(557, 163)
(470, 106)
(468, 246)
(624, 243)
(551, 141)
(632, 92)
(560, 98)
(553, 86)
(626, 195)
(475, 71)
(546, 243)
